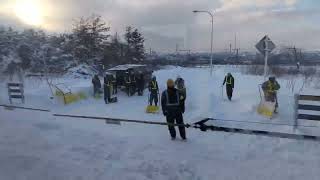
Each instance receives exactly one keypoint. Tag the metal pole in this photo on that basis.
(266, 58)
(211, 58)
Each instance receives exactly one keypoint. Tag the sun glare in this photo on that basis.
(29, 12)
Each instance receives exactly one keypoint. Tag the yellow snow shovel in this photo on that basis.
(266, 108)
(152, 109)
(65, 94)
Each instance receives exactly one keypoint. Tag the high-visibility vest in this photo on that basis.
(154, 85)
(229, 80)
(172, 104)
(271, 87)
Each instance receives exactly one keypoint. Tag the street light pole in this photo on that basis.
(211, 56)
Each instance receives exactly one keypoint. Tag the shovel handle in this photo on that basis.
(260, 91)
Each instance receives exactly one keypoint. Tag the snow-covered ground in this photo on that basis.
(37, 146)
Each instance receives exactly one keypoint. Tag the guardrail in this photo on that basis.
(15, 91)
(310, 105)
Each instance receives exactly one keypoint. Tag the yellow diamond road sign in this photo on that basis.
(265, 44)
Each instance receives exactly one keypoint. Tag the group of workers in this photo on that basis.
(109, 88)
(174, 97)
(134, 83)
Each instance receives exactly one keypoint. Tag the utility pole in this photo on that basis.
(177, 48)
(235, 43)
(236, 50)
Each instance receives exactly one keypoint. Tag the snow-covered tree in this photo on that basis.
(89, 38)
(135, 45)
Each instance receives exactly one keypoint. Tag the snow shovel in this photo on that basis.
(266, 108)
(98, 95)
(152, 109)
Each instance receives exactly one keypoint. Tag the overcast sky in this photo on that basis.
(168, 22)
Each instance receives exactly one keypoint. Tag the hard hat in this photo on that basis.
(170, 83)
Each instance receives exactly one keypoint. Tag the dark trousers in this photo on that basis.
(128, 89)
(176, 117)
(133, 88)
(96, 90)
(140, 91)
(115, 88)
(107, 94)
(229, 90)
(272, 97)
(154, 98)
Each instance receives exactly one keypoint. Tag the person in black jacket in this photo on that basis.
(180, 85)
(229, 81)
(154, 91)
(172, 107)
(96, 85)
(127, 80)
(133, 87)
(107, 88)
(114, 84)
(140, 84)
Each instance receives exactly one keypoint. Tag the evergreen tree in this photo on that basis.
(135, 45)
(138, 46)
(113, 53)
(89, 39)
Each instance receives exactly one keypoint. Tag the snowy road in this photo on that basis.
(62, 149)
(37, 146)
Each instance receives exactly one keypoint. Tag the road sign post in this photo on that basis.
(266, 53)
(265, 46)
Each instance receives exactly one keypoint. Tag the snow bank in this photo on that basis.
(38, 146)
(81, 71)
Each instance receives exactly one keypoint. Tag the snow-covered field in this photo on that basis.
(38, 146)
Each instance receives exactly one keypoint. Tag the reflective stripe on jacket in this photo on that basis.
(154, 85)
(229, 80)
(177, 103)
